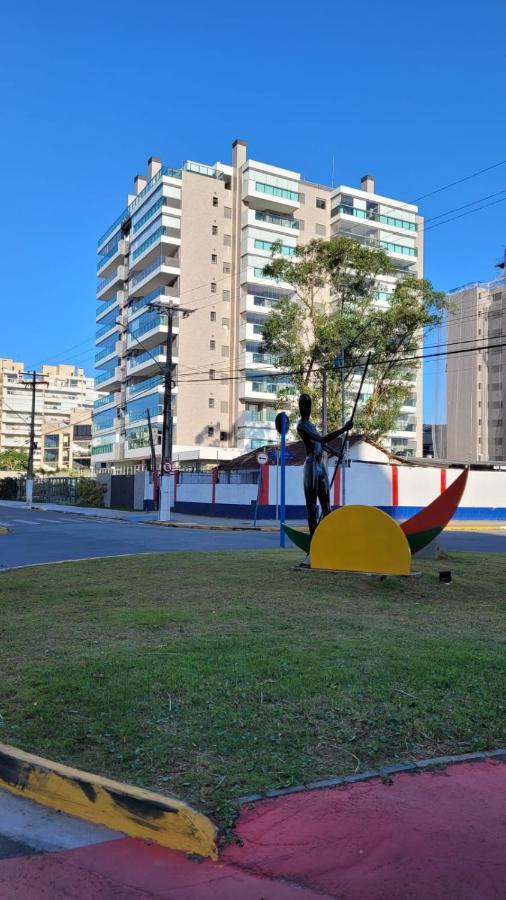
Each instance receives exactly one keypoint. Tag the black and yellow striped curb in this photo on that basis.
(199, 526)
(384, 772)
(122, 807)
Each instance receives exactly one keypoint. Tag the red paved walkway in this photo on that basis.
(422, 837)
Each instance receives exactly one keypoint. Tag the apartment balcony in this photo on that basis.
(253, 360)
(162, 242)
(275, 224)
(164, 294)
(257, 303)
(147, 384)
(251, 331)
(261, 389)
(264, 419)
(107, 263)
(252, 273)
(105, 354)
(109, 381)
(141, 418)
(282, 197)
(351, 214)
(149, 364)
(110, 399)
(107, 286)
(151, 331)
(104, 449)
(161, 270)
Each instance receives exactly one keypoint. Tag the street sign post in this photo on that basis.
(262, 458)
(282, 424)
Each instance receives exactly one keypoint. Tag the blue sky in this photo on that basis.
(413, 93)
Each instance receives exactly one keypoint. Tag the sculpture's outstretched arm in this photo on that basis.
(335, 434)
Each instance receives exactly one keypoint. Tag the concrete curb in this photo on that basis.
(121, 807)
(201, 527)
(383, 772)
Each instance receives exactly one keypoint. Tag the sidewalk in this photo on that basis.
(437, 834)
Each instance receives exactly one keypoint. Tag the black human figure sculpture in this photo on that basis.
(316, 481)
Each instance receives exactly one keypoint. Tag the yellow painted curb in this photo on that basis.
(123, 807)
(3, 530)
(199, 526)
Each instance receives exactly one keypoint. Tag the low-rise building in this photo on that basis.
(67, 446)
(61, 390)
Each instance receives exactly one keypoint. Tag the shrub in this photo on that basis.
(90, 492)
(8, 489)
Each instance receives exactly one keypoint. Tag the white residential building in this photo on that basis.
(200, 236)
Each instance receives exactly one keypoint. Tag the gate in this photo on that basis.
(122, 491)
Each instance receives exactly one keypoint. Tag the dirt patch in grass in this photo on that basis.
(220, 674)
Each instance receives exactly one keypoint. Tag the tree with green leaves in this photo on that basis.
(13, 460)
(334, 311)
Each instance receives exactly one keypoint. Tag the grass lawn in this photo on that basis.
(222, 674)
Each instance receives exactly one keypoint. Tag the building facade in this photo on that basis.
(200, 237)
(61, 391)
(67, 446)
(475, 387)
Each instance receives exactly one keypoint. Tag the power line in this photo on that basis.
(451, 184)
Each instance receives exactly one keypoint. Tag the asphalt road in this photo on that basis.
(40, 537)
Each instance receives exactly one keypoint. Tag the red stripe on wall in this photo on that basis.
(337, 489)
(214, 479)
(395, 485)
(263, 499)
(443, 480)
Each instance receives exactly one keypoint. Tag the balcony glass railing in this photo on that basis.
(137, 438)
(105, 281)
(103, 401)
(144, 301)
(266, 358)
(264, 418)
(265, 302)
(374, 216)
(264, 387)
(147, 215)
(102, 448)
(268, 245)
(146, 385)
(398, 248)
(105, 351)
(199, 169)
(273, 219)
(105, 376)
(106, 304)
(263, 188)
(111, 323)
(145, 357)
(159, 261)
(150, 240)
(259, 273)
(147, 323)
(103, 259)
(138, 409)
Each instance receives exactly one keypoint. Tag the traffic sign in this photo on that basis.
(167, 467)
(282, 422)
(262, 458)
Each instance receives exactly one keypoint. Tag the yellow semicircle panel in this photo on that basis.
(360, 539)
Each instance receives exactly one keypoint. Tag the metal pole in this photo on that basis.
(164, 506)
(31, 450)
(345, 436)
(282, 511)
(324, 402)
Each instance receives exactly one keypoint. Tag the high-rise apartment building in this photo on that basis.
(62, 390)
(475, 388)
(200, 236)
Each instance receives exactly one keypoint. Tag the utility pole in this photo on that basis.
(170, 310)
(33, 383)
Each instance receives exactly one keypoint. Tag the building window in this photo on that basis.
(225, 321)
(213, 287)
(223, 436)
(212, 315)
(210, 431)
(214, 229)
(320, 203)
(320, 229)
(211, 402)
(224, 406)
(212, 374)
(215, 201)
(212, 345)
(227, 268)
(226, 296)
(227, 240)
(214, 258)
(227, 210)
